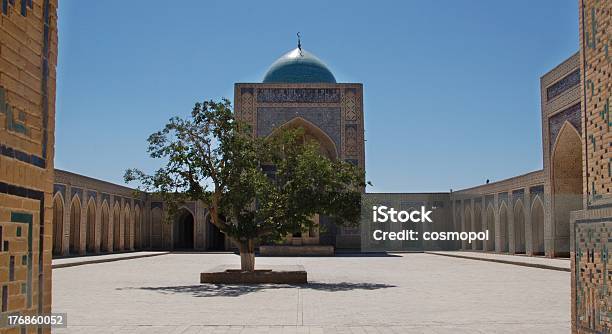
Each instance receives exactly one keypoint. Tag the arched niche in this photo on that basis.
(127, 227)
(490, 244)
(105, 242)
(567, 189)
(503, 227)
(116, 227)
(75, 226)
(58, 224)
(537, 226)
(183, 233)
(519, 227)
(478, 225)
(327, 147)
(90, 227)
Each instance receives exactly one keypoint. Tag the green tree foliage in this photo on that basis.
(256, 189)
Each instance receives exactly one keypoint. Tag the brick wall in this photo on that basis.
(596, 58)
(591, 228)
(28, 56)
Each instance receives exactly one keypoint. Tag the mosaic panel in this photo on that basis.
(502, 197)
(326, 118)
(593, 276)
(537, 190)
(59, 188)
(351, 141)
(298, 95)
(22, 156)
(15, 119)
(596, 30)
(518, 194)
(27, 100)
(105, 197)
(92, 194)
(564, 84)
(16, 259)
(247, 105)
(555, 123)
(351, 105)
(489, 199)
(77, 192)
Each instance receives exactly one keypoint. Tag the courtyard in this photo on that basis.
(393, 293)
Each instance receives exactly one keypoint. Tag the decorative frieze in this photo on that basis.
(567, 82)
(299, 95)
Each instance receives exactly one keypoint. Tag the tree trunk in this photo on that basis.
(247, 255)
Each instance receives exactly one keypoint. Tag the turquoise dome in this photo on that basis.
(298, 66)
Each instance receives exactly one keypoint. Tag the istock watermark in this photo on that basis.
(381, 214)
(412, 222)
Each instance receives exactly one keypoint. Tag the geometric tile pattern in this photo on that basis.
(593, 276)
(564, 84)
(555, 123)
(16, 265)
(334, 109)
(28, 44)
(595, 32)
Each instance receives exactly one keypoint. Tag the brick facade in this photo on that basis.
(512, 210)
(591, 228)
(596, 31)
(28, 56)
(332, 111)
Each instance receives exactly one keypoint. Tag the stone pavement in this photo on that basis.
(521, 260)
(79, 260)
(402, 293)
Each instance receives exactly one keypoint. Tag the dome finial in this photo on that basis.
(299, 43)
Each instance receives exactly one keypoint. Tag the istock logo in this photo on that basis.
(383, 214)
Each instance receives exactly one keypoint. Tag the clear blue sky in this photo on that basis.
(451, 88)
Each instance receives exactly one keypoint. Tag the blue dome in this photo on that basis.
(298, 67)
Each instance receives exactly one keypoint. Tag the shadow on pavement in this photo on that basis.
(235, 290)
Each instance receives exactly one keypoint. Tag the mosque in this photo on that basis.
(563, 209)
(299, 90)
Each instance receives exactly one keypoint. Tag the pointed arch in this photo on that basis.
(503, 228)
(127, 227)
(519, 227)
(537, 226)
(90, 227)
(458, 225)
(490, 244)
(566, 171)
(326, 144)
(116, 227)
(467, 225)
(184, 229)
(478, 225)
(58, 224)
(75, 226)
(567, 126)
(106, 241)
(156, 228)
(137, 227)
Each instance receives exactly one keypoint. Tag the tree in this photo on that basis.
(256, 189)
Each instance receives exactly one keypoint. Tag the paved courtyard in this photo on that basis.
(403, 293)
